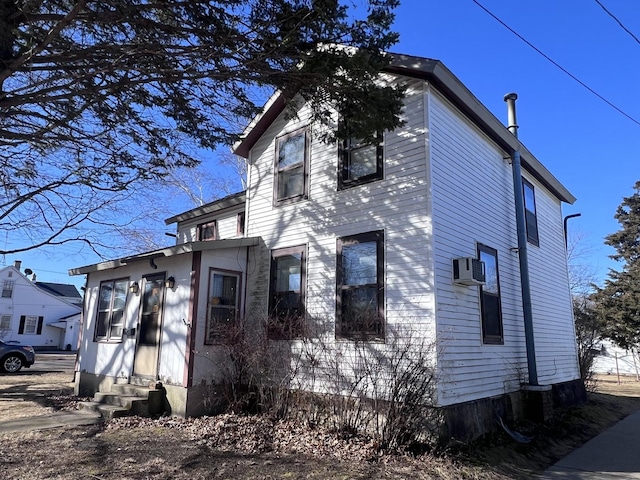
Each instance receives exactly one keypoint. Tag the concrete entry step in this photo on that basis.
(128, 399)
(104, 410)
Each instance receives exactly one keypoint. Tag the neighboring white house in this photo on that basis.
(34, 316)
(341, 233)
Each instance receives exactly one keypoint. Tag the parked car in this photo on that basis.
(15, 356)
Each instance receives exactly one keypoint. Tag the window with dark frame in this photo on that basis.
(112, 299)
(360, 162)
(208, 231)
(287, 292)
(490, 302)
(360, 286)
(292, 160)
(531, 218)
(240, 223)
(224, 288)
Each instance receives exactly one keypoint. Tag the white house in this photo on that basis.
(418, 230)
(34, 316)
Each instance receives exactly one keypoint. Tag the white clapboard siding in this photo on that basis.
(397, 204)
(446, 188)
(472, 203)
(550, 298)
(227, 224)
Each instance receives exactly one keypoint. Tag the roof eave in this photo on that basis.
(435, 72)
(237, 199)
(167, 252)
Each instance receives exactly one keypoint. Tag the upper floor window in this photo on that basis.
(287, 292)
(30, 325)
(112, 299)
(7, 288)
(360, 162)
(208, 231)
(490, 303)
(292, 163)
(531, 218)
(223, 304)
(240, 223)
(360, 285)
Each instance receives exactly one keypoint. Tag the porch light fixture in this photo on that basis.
(170, 282)
(134, 288)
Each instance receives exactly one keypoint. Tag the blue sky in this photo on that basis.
(589, 146)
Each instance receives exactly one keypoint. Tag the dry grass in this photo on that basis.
(32, 393)
(168, 450)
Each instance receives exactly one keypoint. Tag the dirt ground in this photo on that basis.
(239, 447)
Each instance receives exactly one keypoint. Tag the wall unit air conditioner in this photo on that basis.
(468, 271)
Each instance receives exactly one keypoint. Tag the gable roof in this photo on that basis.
(60, 289)
(232, 200)
(436, 73)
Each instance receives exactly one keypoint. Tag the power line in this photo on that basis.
(617, 20)
(619, 110)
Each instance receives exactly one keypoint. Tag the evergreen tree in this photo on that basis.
(618, 301)
(99, 96)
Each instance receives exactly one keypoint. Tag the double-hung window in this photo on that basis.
(360, 162)
(292, 163)
(287, 292)
(360, 286)
(490, 303)
(7, 288)
(531, 218)
(30, 325)
(112, 299)
(5, 324)
(223, 304)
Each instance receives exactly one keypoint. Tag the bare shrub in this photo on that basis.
(356, 386)
(385, 388)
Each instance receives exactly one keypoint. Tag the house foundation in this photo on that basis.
(470, 420)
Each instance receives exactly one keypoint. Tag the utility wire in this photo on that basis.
(619, 110)
(617, 20)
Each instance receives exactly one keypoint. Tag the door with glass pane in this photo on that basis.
(149, 328)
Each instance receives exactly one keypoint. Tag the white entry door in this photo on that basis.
(150, 327)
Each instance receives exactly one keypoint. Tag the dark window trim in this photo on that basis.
(378, 237)
(23, 322)
(284, 332)
(305, 168)
(491, 339)
(107, 338)
(240, 219)
(222, 271)
(201, 229)
(531, 216)
(344, 152)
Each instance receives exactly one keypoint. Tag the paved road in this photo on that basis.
(53, 362)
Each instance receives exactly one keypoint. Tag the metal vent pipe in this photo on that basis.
(518, 193)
